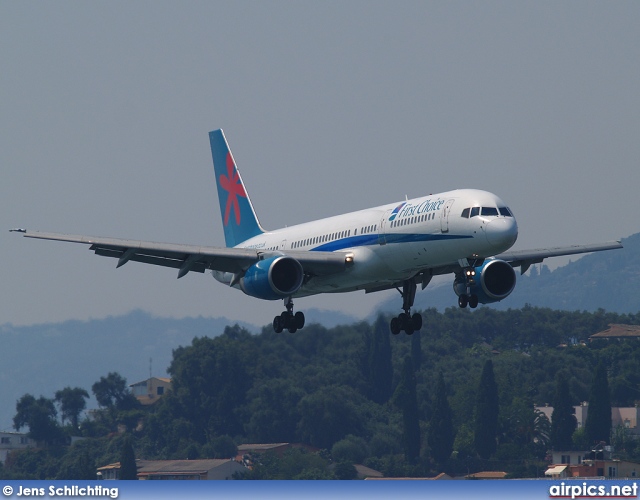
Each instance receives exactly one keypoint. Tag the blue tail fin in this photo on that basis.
(238, 217)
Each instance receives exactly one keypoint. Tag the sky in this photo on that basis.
(328, 107)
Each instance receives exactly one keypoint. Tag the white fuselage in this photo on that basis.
(394, 242)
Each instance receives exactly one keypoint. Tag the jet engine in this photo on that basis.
(273, 278)
(493, 281)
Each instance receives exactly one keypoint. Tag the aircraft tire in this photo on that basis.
(394, 326)
(462, 301)
(285, 317)
(473, 301)
(277, 324)
(298, 320)
(416, 320)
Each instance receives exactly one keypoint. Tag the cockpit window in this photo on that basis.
(465, 213)
(475, 211)
(505, 211)
(489, 211)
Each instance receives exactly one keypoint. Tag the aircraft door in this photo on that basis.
(382, 238)
(444, 216)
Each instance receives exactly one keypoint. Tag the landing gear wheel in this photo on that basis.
(298, 320)
(416, 320)
(404, 320)
(285, 319)
(473, 301)
(462, 301)
(277, 324)
(395, 326)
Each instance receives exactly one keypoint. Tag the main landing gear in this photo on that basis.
(405, 321)
(288, 320)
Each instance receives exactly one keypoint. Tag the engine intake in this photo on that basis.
(273, 278)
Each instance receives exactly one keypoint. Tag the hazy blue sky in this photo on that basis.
(328, 107)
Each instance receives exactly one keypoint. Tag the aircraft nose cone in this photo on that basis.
(501, 233)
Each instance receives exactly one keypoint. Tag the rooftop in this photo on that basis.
(618, 331)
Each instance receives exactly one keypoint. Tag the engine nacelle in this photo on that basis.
(494, 281)
(273, 278)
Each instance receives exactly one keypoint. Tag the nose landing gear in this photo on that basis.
(406, 321)
(465, 279)
(288, 320)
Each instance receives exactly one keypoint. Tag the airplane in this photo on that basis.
(465, 232)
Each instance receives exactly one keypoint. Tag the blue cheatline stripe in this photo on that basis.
(373, 239)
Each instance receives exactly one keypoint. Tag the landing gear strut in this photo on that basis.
(288, 320)
(405, 321)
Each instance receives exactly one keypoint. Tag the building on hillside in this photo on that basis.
(246, 452)
(573, 457)
(609, 469)
(364, 472)
(486, 475)
(627, 417)
(207, 469)
(10, 441)
(619, 332)
(277, 448)
(439, 477)
(570, 457)
(149, 391)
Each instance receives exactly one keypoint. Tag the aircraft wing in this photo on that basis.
(196, 258)
(524, 258)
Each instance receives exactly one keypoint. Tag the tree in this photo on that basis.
(526, 428)
(486, 414)
(72, 403)
(416, 350)
(563, 420)
(598, 424)
(128, 468)
(112, 392)
(40, 416)
(441, 434)
(209, 384)
(328, 415)
(406, 399)
(379, 369)
(273, 410)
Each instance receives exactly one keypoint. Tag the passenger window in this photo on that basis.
(475, 211)
(505, 211)
(465, 213)
(489, 211)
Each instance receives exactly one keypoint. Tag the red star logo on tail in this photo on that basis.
(232, 185)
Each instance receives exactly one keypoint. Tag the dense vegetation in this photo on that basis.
(405, 405)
